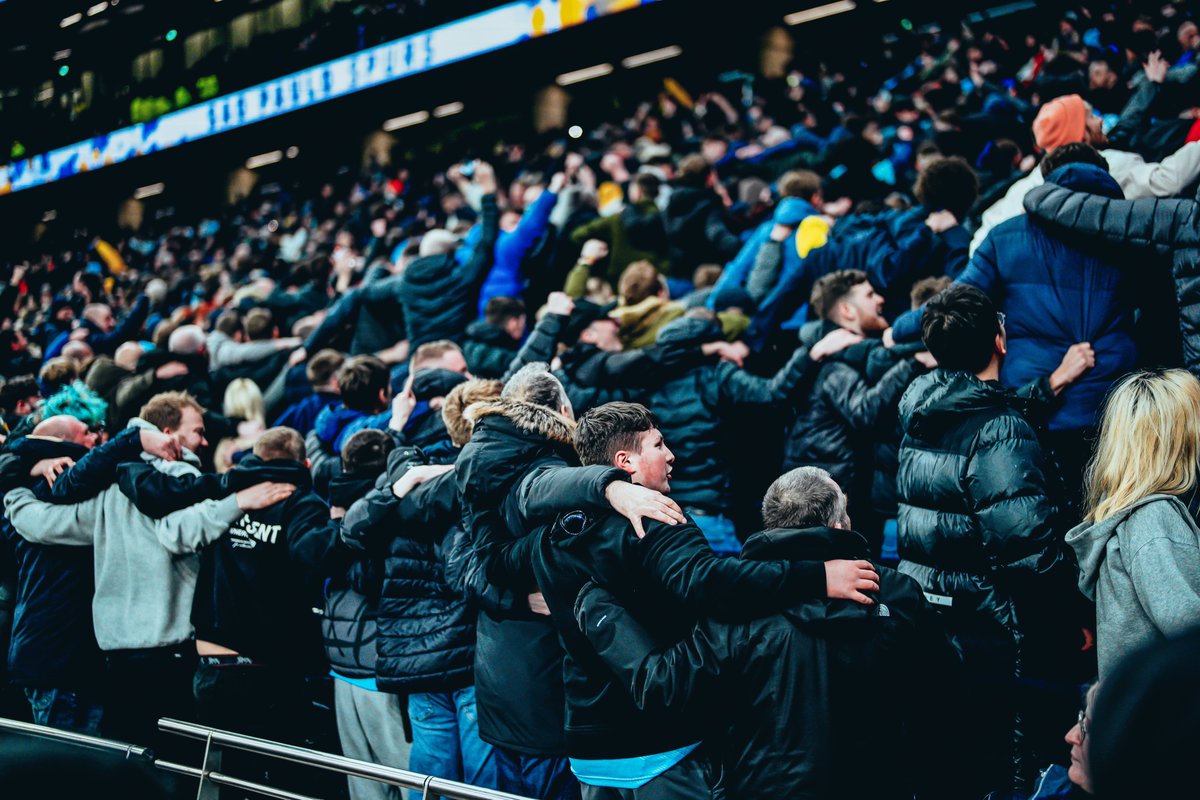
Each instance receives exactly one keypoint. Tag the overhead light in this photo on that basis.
(69, 21)
(642, 59)
(171, 35)
(50, 215)
(96, 9)
(45, 94)
(575, 132)
(263, 159)
(63, 70)
(820, 12)
(448, 110)
(62, 54)
(585, 74)
(406, 121)
(149, 191)
(293, 151)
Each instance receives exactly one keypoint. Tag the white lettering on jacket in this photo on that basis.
(246, 531)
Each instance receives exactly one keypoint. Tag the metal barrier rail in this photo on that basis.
(215, 739)
(210, 776)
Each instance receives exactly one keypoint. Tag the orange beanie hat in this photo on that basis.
(1061, 121)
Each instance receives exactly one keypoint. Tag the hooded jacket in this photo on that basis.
(1166, 227)
(53, 644)
(837, 422)
(259, 583)
(641, 322)
(1053, 296)
(690, 409)
(1141, 566)
(488, 349)
(145, 569)
(791, 688)
(979, 526)
(439, 295)
(501, 475)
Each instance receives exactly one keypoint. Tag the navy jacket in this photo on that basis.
(1054, 295)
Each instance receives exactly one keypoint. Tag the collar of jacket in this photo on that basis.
(805, 544)
(253, 470)
(938, 399)
(528, 418)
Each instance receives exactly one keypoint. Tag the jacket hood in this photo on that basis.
(1089, 540)
(345, 490)
(1086, 178)
(933, 401)
(805, 544)
(637, 319)
(689, 331)
(481, 331)
(792, 211)
(332, 420)
(252, 470)
(528, 418)
(188, 456)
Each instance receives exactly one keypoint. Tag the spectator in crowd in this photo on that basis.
(364, 389)
(99, 328)
(321, 372)
(807, 745)
(980, 526)
(182, 367)
(1139, 546)
(697, 229)
(230, 342)
(145, 568)
(643, 308)
(19, 396)
(636, 233)
(519, 235)
(1073, 782)
(837, 422)
(490, 344)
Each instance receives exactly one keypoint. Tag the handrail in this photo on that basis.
(452, 790)
(76, 738)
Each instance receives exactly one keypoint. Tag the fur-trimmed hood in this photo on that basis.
(527, 417)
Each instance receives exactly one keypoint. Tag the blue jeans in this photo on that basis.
(68, 711)
(545, 777)
(446, 741)
(720, 533)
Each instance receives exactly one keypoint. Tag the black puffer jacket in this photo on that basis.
(488, 349)
(836, 423)
(1167, 227)
(792, 686)
(439, 295)
(980, 528)
(518, 659)
(697, 231)
(691, 407)
(426, 640)
(887, 433)
(349, 624)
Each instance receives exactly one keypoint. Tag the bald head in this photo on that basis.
(79, 351)
(186, 340)
(66, 428)
(127, 355)
(100, 315)
(437, 242)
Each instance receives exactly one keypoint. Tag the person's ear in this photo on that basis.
(1001, 344)
(623, 460)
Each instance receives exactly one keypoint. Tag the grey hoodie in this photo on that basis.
(1142, 567)
(145, 568)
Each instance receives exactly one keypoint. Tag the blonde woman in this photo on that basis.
(1139, 546)
(243, 401)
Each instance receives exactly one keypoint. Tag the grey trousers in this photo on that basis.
(371, 728)
(690, 779)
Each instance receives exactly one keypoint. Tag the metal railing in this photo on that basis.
(216, 742)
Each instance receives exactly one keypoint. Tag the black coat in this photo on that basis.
(887, 432)
(349, 624)
(53, 642)
(439, 295)
(501, 476)
(488, 349)
(691, 408)
(1167, 227)
(668, 579)
(426, 625)
(980, 529)
(836, 423)
(259, 583)
(792, 688)
(697, 231)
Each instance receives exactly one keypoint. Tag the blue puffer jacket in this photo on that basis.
(504, 279)
(1054, 296)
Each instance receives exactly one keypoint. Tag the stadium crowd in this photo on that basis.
(835, 441)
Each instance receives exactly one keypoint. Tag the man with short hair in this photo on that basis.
(321, 372)
(98, 326)
(788, 690)
(145, 568)
(19, 396)
(365, 388)
(981, 530)
(491, 343)
(671, 576)
(835, 425)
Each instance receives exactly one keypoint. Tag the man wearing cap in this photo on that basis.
(1070, 118)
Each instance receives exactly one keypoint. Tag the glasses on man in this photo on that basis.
(1082, 722)
(1001, 318)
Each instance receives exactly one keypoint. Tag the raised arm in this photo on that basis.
(1160, 224)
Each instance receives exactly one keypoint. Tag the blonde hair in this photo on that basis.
(243, 399)
(1149, 442)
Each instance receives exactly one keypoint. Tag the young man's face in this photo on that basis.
(863, 309)
(650, 466)
(604, 333)
(190, 433)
